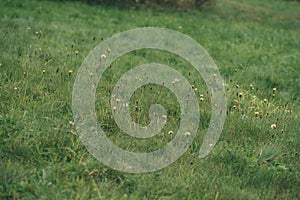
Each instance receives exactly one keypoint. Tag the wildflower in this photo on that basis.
(265, 100)
(114, 108)
(274, 89)
(43, 71)
(37, 33)
(170, 132)
(118, 100)
(70, 72)
(201, 99)
(187, 133)
(256, 113)
(273, 126)
(251, 87)
(234, 107)
(76, 53)
(195, 89)
(15, 88)
(71, 123)
(201, 95)
(240, 94)
(108, 50)
(237, 86)
(289, 111)
(103, 56)
(173, 82)
(179, 27)
(24, 73)
(273, 95)
(215, 75)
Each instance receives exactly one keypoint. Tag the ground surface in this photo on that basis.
(255, 44)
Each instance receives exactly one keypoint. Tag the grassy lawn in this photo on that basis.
(255, 45)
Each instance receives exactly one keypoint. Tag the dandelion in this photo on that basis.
(70, 72)
(187, 133)
(274, 89)
(289, 111)
(71, 123)
(118, 100)
(76, 53)
(251, 87)
(256, 113)
(273, 95)
(240, 94)
(103, 56)
(215, 75)
(195, 89)
(108, 50)
(265, 100)
(36, 33)
(170, 132)
(273, 126)
(179, 27)
(114, 108)
(201, 99)
(43, 71)
(24, 73)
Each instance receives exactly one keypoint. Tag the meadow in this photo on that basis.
(255, 45)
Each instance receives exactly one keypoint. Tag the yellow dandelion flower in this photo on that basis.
(273, 95)
(70, 71)
(179, 27)
(265, 100)
(114, 108)
(108, 50)
(37, 33)
(240, 94)
(118, 100)
(43, 71)
(201, 99)
(274, 89)
(76, 53)
(256, 113)
(187, 133)
(273, 126)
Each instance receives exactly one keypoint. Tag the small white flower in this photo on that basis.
(103, 56)
(273, 126)
(170, 132)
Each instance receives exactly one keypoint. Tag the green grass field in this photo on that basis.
(255, 45)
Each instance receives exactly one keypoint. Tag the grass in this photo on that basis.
(256, 47)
